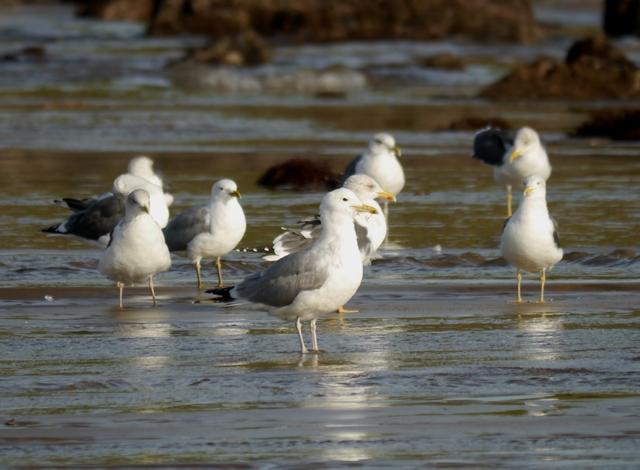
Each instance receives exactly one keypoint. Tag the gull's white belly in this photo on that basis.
(530, 248)
(137, 252)
(340, 286)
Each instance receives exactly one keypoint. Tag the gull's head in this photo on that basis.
(527, 140)
(343, 202)
(125, 184)
(141, 166)
(138, 200)
(225, 189)
(384, 143)
(367, 188)
(534, 186)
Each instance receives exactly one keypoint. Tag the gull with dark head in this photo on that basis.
(317, 280)
(209, 231)
(530, 239)
(136, 251)
(513, 160)
(380, 162)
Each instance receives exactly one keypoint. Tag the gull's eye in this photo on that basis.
(378, 141)
(345, 199)
(221, 189)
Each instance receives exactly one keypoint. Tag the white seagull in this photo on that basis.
(371, 229)
(529, 238)
(209, 231)
(513, 160)
(142, 166)
(316, 280)
(380, 162)
(136, 251)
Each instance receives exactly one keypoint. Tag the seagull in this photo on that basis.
(209, 231)
(380, 162)
(142, 166)
(94, 218)
(513, 160)
(371, 229)
(136, 250)
(316, 280)
(530, 239)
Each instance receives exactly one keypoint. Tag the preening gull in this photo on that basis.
(136, 251)
(513, 160)
(371, 229)
(210, 231)
(158, 210)
(380, 162)
(94, 218)
(529, 238)
(142, 166)
(316, 280)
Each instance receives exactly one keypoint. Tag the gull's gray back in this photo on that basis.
(279, 284)
(185, 226)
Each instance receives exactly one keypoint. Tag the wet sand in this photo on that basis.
(444, 373)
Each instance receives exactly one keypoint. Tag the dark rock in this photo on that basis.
(119, 10)
(621, 17)
(28, 54)
(246, 49)
(592, 69)
(443, 61)
(330, 20)
(299, 174)
(614, 124)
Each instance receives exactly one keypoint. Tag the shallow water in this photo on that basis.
(439, 366)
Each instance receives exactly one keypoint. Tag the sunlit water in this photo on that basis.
(439, 366)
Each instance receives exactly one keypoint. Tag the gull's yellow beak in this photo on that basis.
(387, 195)
(515, 154)
(145, 208)
(397, 151)
(528, 190)
(235, 193)
(365, 208)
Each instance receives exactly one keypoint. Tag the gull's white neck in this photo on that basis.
(337, 226)
(533, 206)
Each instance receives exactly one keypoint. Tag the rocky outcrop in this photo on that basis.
(124, 10)
(621, 17)
(593, 69)
(247, 49)
(299, 174)
(329, 20)
(443, 61)
(613, 124)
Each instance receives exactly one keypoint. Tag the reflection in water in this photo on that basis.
(542, 328)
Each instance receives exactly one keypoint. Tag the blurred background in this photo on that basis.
(224, 88)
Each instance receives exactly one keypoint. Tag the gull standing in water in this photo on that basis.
(380, 162)
(136, 251)
(513, 160)
(529, 238)
(209, 231)
(371, 229)
(316, 280)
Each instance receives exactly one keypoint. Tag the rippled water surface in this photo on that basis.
(439, 367)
